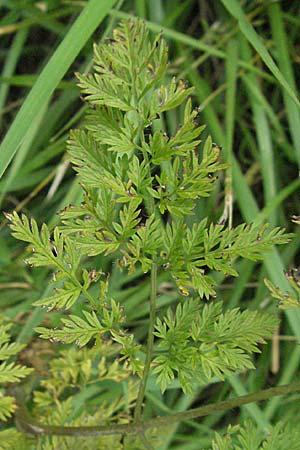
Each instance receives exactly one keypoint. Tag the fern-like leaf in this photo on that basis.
(202, 342)
(76, 329)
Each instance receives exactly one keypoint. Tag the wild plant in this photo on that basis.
(141, 185)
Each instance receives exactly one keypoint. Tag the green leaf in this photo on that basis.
(173, 95)
(199, 342)
(75, 329)
(125, 73)
(90, 158)
(7, 350)
(248, 437)
(12, 439)
(129, 219)
(111, 128)
(11, 373)
(164, 371)
(102, 242)
(63, 298)
(101, 91)
(7, 408)
(143, 245)
(129, 350)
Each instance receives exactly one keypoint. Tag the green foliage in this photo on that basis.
(82, 330)
(141, 185)
(10, 372)
(59, 398)
(248, 437)
(199, 342)
(11, 439)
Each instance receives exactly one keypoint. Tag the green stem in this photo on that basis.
(141, 393)
(28, 425)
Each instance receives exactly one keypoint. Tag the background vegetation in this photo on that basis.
(245, 73)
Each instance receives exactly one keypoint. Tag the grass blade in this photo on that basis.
(10, 64)
(79, 33)
(248, 31)
(284, 62)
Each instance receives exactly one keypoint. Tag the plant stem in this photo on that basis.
(141, 393)
(27, 424)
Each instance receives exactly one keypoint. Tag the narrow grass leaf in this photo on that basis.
(284, 62)
(249, 32)
(10, 64)
(79, 33)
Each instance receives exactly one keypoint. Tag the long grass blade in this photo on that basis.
(79, 33)
(285, 65)
(249, 32)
